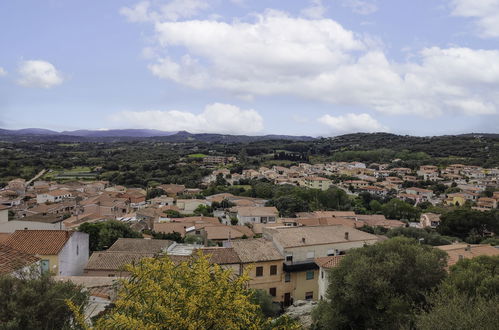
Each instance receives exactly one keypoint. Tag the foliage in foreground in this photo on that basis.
(467, 299)
(380, 286)
(37, 302)
(192, 294)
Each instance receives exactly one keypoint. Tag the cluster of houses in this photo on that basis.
(287, 257)
(382, 179)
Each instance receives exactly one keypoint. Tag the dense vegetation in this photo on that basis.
(149, 161)
(30, 302)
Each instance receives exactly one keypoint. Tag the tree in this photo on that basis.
(193, 294)
(204, 210)
(467, 299)
(470, 225)
(289, 205)
(429, 237)
(103, 234)
(38, 302)
(263, 299)
(380, 286)
(397, 209)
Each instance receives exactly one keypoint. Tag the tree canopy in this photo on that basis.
(103, 234)
(470, 225)
(37, 302)
(380, 286)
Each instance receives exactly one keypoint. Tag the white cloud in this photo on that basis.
(39, 73)
(176, 9)
(353, 123)
(360, 7)
(2, 72)
(215, 118)
(315, 11)
(319, 59)
(484, 12)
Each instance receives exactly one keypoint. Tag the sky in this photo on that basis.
(318, 68)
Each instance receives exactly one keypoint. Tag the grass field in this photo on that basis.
(197, 155)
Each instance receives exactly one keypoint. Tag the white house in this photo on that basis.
(61, 252)
(53, 196)
(325, 264)
(252, 214)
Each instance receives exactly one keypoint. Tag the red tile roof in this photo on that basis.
(12, 259)
(328, 262)
(45, 242)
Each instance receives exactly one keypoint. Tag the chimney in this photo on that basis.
(346, 236)
(303, 240)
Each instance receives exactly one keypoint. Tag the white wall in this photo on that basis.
(12, 226)
(74, 255)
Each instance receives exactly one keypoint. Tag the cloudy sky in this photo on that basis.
(426, 67)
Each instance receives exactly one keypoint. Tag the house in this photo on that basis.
(53, 196)
(325, 264)
(431, 220)
(226, 257)
(422, 194)
(457, 199)
(301, 245)
(187, 206)
(486, 203)
(112, 263)
(61, 252)
(13, 261)
(457, 252)
(250, 214)
(172, 190)
(317, 182)
(33, 222)
(124, 251)
(265, 267)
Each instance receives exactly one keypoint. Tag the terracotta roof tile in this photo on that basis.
(221, 255)
(12, 259)
(140, 245)
(114, 260)
(45, 242)
(256, 250)
(328, 262)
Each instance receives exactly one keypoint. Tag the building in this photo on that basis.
(53, 196)
(13, 261)
(4, 214)
(265, 267)
(317, 182)
(300, 246)
(251, 214)
(458, 252)
(431, 220)
(61, 252)
(325, 264)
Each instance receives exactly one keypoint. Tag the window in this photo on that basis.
(309, 295)
(77, 249)
(273, 292)
(310, 255)
(259, 271)
(271, 219)
(330, 252)
(287, 277)
(322, 274)
(198, 232)
(310, 275)
(289, 257)
(273, 270)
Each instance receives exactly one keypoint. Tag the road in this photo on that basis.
(42, 172)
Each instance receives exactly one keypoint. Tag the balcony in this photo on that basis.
(299, 266)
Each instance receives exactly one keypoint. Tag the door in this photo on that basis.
(44, 265)
(287, 299)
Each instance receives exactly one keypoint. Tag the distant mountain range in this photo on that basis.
(41, 134)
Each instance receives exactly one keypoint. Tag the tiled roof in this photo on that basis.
(256, 250)
(316, 235)
(254, 211)
(12, 259)
(45, 242)
(328, 262)
(140, 245)
(224, 232)
(221, 255)
(4, 237)
(467, 251)
(114, 260)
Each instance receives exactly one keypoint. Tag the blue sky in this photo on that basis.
(427, 67)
